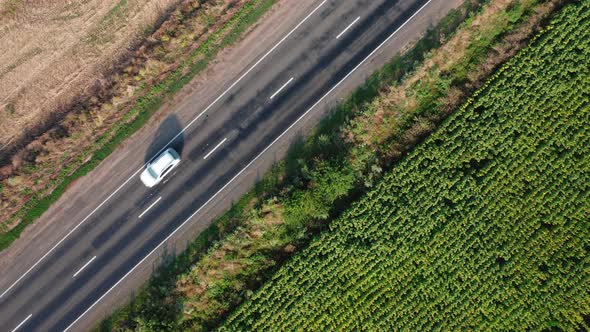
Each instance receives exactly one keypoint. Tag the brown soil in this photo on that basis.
(54, 51)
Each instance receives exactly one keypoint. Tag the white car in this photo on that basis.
(160, 167)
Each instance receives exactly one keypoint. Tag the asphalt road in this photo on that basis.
(221, 142)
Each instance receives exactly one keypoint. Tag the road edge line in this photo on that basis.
(250, 163)
(166, 146)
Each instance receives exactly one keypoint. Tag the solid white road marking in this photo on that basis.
(215, 148)
(348, 27)
(83, 267)
(149, 207)
(281, 88)
(21, 323)
(246, 167)
(167, 144)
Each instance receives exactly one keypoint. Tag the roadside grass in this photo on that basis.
(139, 114)
(164, 278)
(184, 296)
(323, 174)
(153, 299)
(490, 209)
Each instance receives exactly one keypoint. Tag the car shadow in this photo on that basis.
(170, 129)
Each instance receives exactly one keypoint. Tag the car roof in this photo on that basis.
(164, 160)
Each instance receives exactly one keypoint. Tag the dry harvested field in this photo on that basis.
(118, 78)
(55, 50)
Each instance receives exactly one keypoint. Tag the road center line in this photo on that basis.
(21, 323)
(348, 27)
(83, 267)
(247, 166)
(149, 207)
(281, 88)
(166, 146)
(215, 148)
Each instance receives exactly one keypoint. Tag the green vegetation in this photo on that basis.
(151, 302)
(483, 226)
(137, 116)
(303, 193)
(9, 109)
(392, 112)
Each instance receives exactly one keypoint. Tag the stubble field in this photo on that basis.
(54, 51)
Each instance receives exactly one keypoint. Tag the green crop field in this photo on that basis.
(484, 226)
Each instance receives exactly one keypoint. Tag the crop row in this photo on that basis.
(484, 226)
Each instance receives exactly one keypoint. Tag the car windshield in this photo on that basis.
(152, 173)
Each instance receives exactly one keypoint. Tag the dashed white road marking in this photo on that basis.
(83, 267)
(281, 88)
(23, 322)
(247, 166)
(348, 27)
(166, 146)
(149, 207)
(215, 148)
